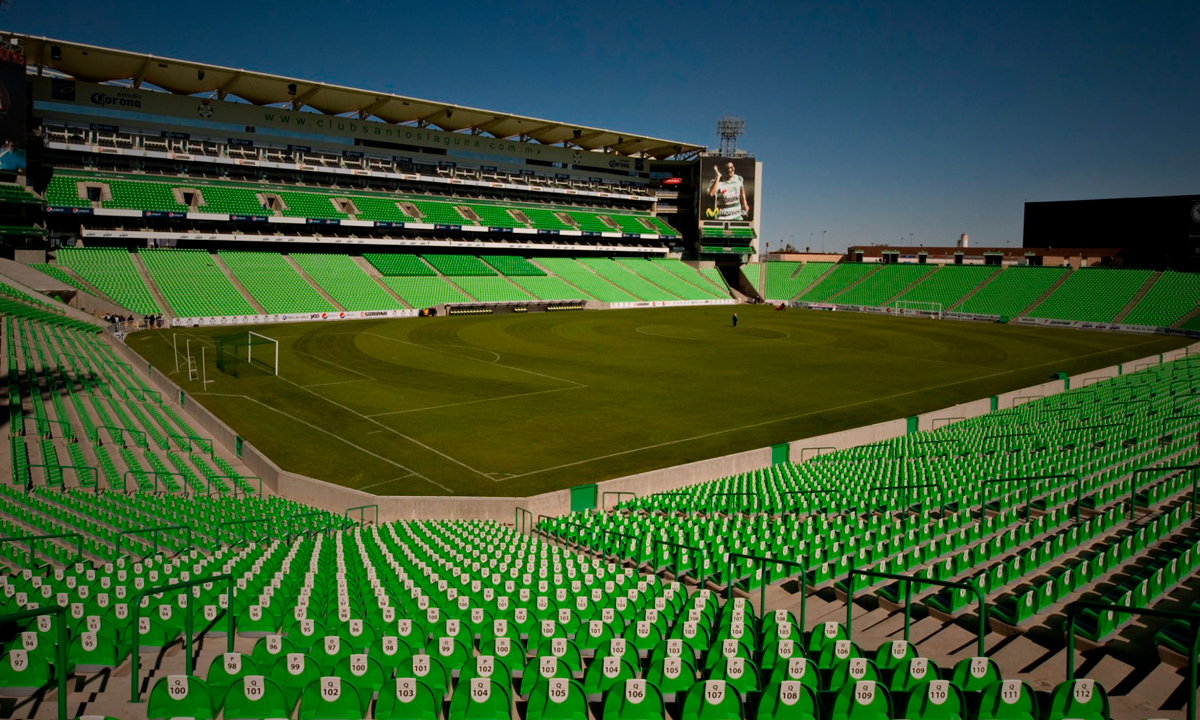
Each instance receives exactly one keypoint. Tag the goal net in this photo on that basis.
(250, 351)
(918, 307)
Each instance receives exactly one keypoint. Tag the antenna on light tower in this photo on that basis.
(730, 128)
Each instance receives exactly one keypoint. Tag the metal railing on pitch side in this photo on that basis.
(908, 580)
(1028, 480)
(762, 590)
(60, 652)
(154, 533)
(618, 493)
(806, 493)
(1192, 618)
(31, 540)
(135, 695)
(1133, 484)
(362, 513)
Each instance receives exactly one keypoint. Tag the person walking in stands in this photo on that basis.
(735, 319)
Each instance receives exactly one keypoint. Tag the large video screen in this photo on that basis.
(12, 110)
(727, 187)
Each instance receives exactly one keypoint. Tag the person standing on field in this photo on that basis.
(735, 319)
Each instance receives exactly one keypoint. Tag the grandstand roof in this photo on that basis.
(96, 64)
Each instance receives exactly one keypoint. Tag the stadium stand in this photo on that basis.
(585, 280)
(398, 264)
(512, 265)
(626, 279)
(193, 284)
(158, 194)
(785, 280)
(654, 273)
(1092, 294)
(1013, 290)
(420, 291)
(879, 287)
(842, 276)
(492, 288)
(1173, 296)
(62, 276)
(711, 283)
(345, 281)
(112, 272)
(948, 285)
(272, 282)
(544, 287)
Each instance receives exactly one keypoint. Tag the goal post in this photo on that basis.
(920, 307)
(268, 347)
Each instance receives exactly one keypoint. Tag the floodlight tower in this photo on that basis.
(730, 128)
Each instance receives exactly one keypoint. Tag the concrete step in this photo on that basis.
(1137, 298)
(370, 270)
(167, 311)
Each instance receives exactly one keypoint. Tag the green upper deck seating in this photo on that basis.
(948, 284)
(13, 193)
(458, 265)
(837, 280)
(345, 281)
(143, 196)
(544, 219)
(883, 285)
(512, 265)
(64, 192)
(586, 280)
(663, 228)
(629, 223)
(495, 216)
(589, 222)
(380, 209)
(1092, 295)
(439, 213)
(1012, 291)
(234, 200)
(193, 284)
(1173, 295)
(398, 264)
(112, 272)
(276, 286)
(624, 278)
(310, 205)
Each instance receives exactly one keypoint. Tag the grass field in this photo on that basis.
(522, 404)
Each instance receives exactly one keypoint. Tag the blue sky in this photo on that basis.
(873, 120)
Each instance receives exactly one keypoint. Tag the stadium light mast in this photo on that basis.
(730, 128)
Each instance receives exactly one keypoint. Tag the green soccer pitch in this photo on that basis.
(521, 404)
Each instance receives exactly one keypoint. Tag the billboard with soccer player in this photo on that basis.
(727, 189)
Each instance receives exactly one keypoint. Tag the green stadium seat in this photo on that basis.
(788, 700)
(557, 698)
(254, 697)
(635, 699)
(605, 673)
(330, 699)
(365, 674)
(179, 696)
(711, 700)
(227, 670)
(407, 698)
(23, 673)
(1008, 700)
(1079, 699)
(863, 700)
(975, 673)
(293, 673)
(481, 698)
(936, 700)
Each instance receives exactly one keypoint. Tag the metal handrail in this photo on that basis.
(31, 539)
(1165, 468)
(908, 580)
(679, 547)
(154, 532)
(518, 516)
(362, 515)
(1029, 491)
(135, 695)
(762, 591)
(60, 670)
(1192, 618)
(618, 493)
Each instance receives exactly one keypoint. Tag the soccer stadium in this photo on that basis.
(327, 403)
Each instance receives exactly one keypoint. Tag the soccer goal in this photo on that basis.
(267, 354)
(919, 307)
(238, 351)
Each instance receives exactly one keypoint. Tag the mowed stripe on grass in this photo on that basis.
(520, 404)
